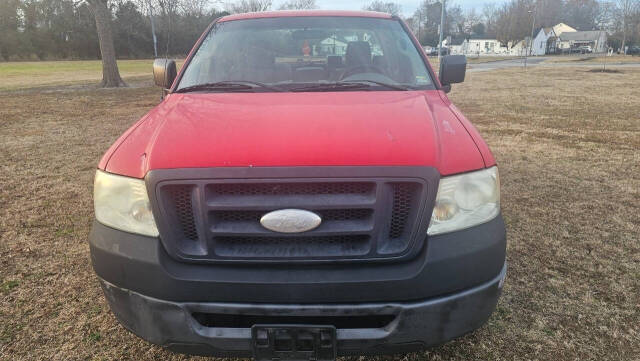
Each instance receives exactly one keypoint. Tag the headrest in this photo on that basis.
(334, 61)
(358, 53)
(260, 58)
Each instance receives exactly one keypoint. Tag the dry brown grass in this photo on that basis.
(489, 59)
(593, 58)
(35, 74)
(568, 144)
(471, 59)
(435, 63)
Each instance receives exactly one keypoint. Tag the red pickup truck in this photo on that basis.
(304, 190)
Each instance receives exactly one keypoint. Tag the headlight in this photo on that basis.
(465, 201)
(123, 203)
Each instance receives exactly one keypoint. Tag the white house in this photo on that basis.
(454, 45)
(596, 40)
(563, 28)
(545, 42)
(521, 48)
(482, 46)
(542, 42)
(332, 45)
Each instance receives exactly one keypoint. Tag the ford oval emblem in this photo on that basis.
(290, 221)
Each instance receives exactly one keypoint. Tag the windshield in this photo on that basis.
(306, 54)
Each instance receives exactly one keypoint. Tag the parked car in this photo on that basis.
(585, 49)
(283, 204)
(581, 50)
(634, 50)
(434, 51)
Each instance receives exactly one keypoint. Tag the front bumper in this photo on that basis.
(415, 325)
(450, 288)
(447, 264)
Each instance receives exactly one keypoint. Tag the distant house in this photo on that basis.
(332, 45)
(596, 40)
(543, 42)
(562, 28)
(478, 45)
(520, 48)
(455, 45)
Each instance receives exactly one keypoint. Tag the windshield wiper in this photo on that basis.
(345, 86)
(329, 87)
(386, 85)
(239, 85)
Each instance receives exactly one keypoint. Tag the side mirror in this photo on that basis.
(164, 72)
(453, 69)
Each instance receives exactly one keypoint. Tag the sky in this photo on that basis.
(408, 6)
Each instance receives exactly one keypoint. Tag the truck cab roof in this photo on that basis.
(303, 13)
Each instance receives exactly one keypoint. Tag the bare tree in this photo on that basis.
(581, 14)
(470, 21)
(626, 9)
(490, 17)
(110, 73)
(194, 7)
(248, 6)
(298, 5)
(550, 12)
(385, 7)
(607, 17)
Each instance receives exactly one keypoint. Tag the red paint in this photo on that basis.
(297, 129)
(199, 130)
(483, 147)
(293, 13)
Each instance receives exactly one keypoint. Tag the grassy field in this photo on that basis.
(476, 60)
(593, 58)
(20, 75)
(488, 59)
(570, 169)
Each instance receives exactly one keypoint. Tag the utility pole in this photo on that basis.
(441, 30)
(153, 30)
(420, 27)
(533, 26)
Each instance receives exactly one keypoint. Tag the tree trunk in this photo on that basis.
(624, 36)
(110, 73)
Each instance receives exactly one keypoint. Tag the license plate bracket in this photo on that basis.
(293, 342)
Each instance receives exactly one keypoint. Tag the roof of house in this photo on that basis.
(296, 13)
(582, 35)
(562, 27)
(481, 37)
(457, 41)
(545, 31)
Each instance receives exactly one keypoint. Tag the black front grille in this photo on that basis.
(292, 247)
(291, 188)
(181, 205)
(403, 202)
(326, 215)
(362, 219)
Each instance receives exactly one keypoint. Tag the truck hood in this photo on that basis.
(199, 130)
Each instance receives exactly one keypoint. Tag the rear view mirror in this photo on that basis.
(453, 69)
(164, 72)
(302, 35)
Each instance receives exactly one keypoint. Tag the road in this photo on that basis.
(539, 61)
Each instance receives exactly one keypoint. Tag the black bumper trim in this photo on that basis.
(447, 264)
(417, 325)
